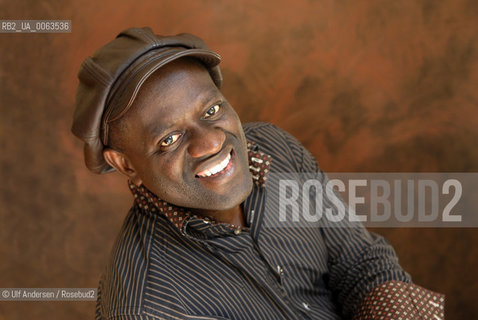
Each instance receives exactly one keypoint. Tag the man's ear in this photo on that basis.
(120, 162)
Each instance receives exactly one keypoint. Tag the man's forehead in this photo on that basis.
(169, 114)
(164, 82)
(170, 94)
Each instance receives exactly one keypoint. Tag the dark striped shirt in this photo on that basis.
(207, 270)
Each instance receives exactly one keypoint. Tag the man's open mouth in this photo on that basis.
(216, 169)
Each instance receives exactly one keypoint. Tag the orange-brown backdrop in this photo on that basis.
(365, 85)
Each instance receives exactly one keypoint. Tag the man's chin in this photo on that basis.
(233, 198)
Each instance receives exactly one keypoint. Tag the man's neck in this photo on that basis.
(234, 216)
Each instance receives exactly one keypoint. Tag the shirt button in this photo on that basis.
(306, 306)
(280, 270)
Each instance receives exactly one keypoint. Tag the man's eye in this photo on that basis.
(170, 140)
(212, 111)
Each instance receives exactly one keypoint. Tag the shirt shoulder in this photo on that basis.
(288, 154)
(124, 283)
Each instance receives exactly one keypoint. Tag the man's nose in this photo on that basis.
(206, 141)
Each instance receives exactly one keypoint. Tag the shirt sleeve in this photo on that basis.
(395, 300)
(361, 264)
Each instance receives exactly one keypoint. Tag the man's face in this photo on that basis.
(184, 141)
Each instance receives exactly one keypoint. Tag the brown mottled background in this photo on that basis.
(365, 85)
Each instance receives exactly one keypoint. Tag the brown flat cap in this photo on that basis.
(110, 81)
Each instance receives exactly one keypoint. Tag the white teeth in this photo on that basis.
(217, 168)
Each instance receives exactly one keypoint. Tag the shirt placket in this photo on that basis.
(257, 269)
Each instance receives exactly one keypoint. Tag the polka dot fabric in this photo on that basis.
(399, 300)
(259, 164)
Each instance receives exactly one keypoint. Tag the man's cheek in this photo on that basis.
(170, 169)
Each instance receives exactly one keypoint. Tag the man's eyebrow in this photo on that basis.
(210, 95)
(157, 130)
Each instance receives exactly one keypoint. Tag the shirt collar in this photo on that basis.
(259, 166)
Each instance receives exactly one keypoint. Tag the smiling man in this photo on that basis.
(184, 142)
(195, 244)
